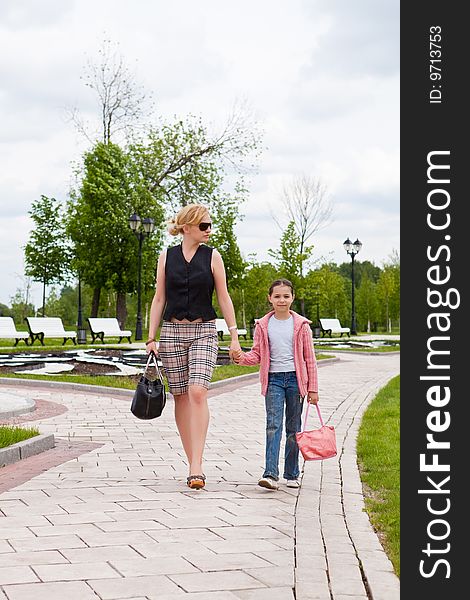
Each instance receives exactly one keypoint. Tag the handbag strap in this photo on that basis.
(157, 368)
(306, 415)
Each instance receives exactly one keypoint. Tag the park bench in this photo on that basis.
(8, 331)
(222, 329)
(107, 326)
(329, 326)
(48, 327)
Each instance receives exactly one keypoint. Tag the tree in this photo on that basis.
(122, 101)
(106, 251)
(367, 303)
(20, 306)
(385, 291)
(388, 289)
(255, 284)
(224, 213)
(289, 260)
(183, 163)
(361, 269)
(47, 255)
(308, 206)
(332, 293)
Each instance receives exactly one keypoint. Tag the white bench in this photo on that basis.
(48, 327)
(107, 326)
(329, 326)
(8, 331)
(222, 329)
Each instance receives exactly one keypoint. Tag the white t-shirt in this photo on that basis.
(281, 344)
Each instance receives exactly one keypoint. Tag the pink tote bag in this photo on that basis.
(317, 444)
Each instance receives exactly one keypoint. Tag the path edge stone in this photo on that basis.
(26, 448)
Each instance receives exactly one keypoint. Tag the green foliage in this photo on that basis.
(178, 164)
(256, 282)
(47, 255)
(332, 294)
(361, 269)
(388, 293)
(367, 304)
(106, 250)
(5, 311)
(225, 213)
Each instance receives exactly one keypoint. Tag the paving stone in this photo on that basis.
(77, 590)
(151, 566)
(106, 553)
(5, 547)
(273, 576)
(51, 542)
(47, 557)
(279, 593)
(16, 574)
(225, 562)
(74, 572)
(218, 580)
(150, 587)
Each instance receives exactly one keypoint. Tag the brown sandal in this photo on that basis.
(196, 482)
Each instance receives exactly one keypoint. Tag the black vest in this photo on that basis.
(189, 286)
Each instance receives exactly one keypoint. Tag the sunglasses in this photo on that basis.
(204, 226)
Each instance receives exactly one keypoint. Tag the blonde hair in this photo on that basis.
(192, 214)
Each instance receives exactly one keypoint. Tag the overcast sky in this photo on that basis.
(322, 77)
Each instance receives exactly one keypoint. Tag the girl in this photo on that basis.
(186, 277)
(283, 346)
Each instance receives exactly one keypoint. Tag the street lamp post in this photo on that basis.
(352, 249)
(141, 228)
(81, 331)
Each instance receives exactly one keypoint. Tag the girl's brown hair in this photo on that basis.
(281, 281)
(192, 214)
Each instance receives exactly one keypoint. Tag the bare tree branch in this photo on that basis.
(122, 101)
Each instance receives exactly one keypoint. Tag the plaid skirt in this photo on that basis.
(188, 352)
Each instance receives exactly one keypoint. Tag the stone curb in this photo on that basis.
(15, 412)
(26, 448)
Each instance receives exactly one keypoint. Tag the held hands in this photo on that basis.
(235, 351)
(312, 397)
(236, 356)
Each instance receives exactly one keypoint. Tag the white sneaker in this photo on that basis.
(293, 483)
(269, 482)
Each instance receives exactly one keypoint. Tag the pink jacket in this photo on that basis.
(304, 356)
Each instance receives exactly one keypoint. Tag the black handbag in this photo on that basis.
(149, 397)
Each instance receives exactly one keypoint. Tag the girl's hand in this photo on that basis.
(236, 356)
(312, 397)
(151, 346)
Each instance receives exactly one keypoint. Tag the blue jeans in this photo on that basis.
(282, 390)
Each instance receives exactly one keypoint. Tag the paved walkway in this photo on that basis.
(116, 520)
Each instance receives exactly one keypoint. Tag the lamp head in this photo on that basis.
(134, 222)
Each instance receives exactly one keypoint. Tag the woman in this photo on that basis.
(186, 277)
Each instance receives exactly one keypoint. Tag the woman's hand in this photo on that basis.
(151, 347)
(312, 397)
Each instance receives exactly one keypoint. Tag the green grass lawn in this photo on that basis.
(12, 435)
(378, 454)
